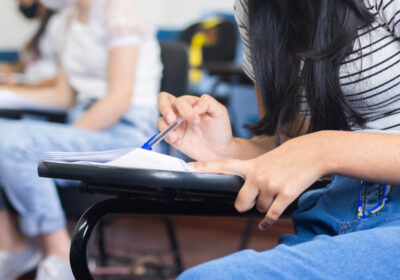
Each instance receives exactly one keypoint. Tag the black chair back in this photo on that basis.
(174, 56)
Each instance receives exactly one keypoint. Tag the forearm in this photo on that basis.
(103, 114)
(49, 96)
(367, 156)
(250, 148)
(51, 82)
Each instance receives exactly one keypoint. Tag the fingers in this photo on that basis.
(247, 196)
(171, 107)
(172, 136)
(264, 201)
(188, 107)
(210, 105)
(185, 109)
(278, 206)
(166, 104)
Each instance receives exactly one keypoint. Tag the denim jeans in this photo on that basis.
(23, 142)
(331, 241)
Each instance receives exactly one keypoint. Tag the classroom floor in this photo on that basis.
(201, 239)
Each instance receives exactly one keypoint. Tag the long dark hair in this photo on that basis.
(297, 46)
(33, 44)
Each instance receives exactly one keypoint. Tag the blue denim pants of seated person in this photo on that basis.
(331, 241)
(23, 142)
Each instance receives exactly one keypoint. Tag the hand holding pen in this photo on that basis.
(157, 138)
(205, 133)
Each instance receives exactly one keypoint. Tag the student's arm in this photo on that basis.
(207, 135)
(61, 95)
(275, 179)
(258, 145)
(110, 109)
(7, 70)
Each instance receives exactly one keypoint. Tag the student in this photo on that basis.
(37, 64)
(323, 70)
(110, 79)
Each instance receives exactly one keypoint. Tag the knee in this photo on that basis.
(199, 272)
(230, 267)
(9, 148)
(16, 143)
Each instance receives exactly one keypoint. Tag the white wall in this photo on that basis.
(14, 29)
(180, 13)
(170, 14)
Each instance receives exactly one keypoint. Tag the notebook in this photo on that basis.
(126, 158)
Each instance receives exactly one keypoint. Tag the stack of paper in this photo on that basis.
(127, 158)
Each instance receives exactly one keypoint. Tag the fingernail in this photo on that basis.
(264, 226)
(170, 118)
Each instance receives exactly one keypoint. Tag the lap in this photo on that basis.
(39, 136)
(366, 254)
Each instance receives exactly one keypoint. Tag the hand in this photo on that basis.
(6, 70)
(275, 179)
(206, 133)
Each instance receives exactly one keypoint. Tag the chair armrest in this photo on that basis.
(90, 219)
(59, 117)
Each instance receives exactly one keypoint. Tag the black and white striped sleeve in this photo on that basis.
(389, 11)
(242, 19)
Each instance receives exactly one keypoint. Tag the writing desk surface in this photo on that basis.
(132, 178)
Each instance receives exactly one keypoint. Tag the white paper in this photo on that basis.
(140, 158)
(126, 158)
(96, 157)
(10, 100)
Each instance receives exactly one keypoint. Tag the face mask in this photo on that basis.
(29, 12)
(57, 4)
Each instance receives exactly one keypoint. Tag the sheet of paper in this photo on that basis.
(127, 158)
(98, 157)
(10, 100)
(140, 158)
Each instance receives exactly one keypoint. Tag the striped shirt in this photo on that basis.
(370, 75)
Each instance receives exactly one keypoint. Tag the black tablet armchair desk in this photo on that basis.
(144, 192)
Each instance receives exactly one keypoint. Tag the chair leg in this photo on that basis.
(101, 244)
(244, 242)
(174, 244)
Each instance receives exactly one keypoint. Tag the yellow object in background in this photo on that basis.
(205, 37)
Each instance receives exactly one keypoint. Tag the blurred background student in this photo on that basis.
(109, 79)
(37, 62)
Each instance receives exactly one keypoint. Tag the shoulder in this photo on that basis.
(121, 8)
(381, 5)
(120, 13)
(59, 20)
(389, 14)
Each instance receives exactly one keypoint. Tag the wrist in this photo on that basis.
(232, 150)
(328, 142)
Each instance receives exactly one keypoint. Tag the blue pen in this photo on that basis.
(157, 138)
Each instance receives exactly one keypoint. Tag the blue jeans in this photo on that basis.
(331, 241)
(23, 142)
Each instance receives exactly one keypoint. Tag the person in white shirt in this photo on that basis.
(109, 79)
(37, 64)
